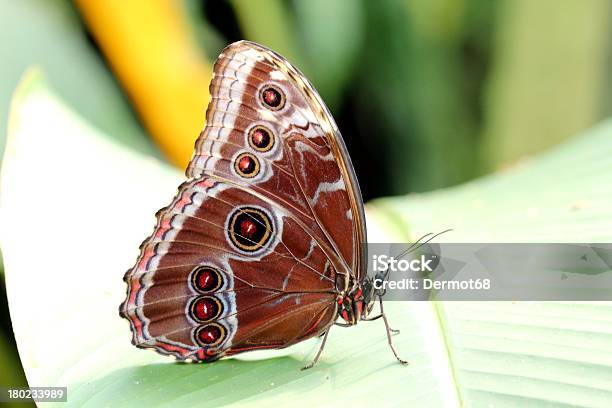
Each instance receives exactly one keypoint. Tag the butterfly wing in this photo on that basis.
(248, 254)
(195, 292)
(308, 169)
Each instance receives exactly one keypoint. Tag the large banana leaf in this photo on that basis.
(74, 208)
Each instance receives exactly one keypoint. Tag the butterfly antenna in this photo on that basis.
(412, 248)
(404, 254)
(416, 245)
(418, 241)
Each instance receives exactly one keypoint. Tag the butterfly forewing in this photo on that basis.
(307, 166)
(247, 254)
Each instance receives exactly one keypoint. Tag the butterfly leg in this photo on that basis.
(370, 319)
(389, 331)
(318, 353)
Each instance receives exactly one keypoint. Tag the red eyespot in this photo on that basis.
(247, 165)
(272, 97)
(248, 228)
(206, 279)
(205, 308)
(210, 334)
(261, 138)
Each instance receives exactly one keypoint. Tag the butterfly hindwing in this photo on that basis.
(186, 278)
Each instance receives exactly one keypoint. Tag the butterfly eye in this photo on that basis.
(249, 229)
(205, 308)
(261, 138)
(246, 165)
(210, 334)
(272, 97)
(205, 279)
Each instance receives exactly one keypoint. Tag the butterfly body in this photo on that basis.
(264, 244)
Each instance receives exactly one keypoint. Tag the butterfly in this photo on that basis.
(264, 245)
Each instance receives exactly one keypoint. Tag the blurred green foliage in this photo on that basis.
(429, 94)
(550, 75)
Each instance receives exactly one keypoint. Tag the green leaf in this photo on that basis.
(524, 353)
(71, 225)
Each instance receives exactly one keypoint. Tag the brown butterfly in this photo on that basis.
(264, 244)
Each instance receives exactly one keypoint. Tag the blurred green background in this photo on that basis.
(427, 94)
